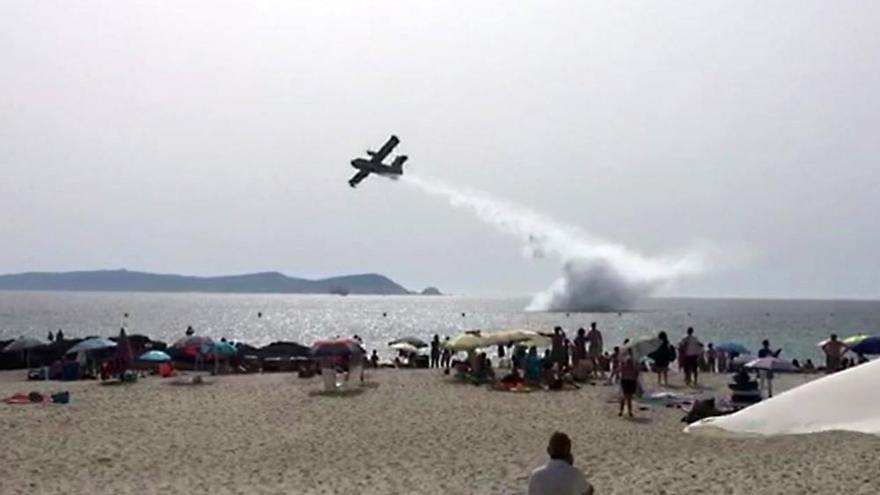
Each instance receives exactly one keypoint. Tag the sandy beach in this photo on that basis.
(409, 432)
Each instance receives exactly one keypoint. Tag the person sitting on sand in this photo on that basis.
(834, 350)
(629, 381)
(533, 366)
(808, 365)
(558, 476)
(512, 379)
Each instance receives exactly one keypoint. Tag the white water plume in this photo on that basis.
(597, 275)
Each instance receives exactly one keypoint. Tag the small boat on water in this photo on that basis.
(339, 291)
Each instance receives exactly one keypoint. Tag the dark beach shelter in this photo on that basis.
(337, 348)
(24, 345)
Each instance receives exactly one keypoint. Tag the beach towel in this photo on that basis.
(37, 398)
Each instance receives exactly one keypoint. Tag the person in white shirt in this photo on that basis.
(558, 476)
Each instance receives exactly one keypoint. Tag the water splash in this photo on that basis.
(597, 275)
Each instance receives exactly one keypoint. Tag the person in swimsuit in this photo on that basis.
(629, 379)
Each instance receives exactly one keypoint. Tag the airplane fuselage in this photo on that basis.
(373, 167)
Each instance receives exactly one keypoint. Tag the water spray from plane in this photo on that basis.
(597, 275)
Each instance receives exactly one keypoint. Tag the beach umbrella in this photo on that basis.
(771, 364)
(732, 348)
(192, 345)
(507, 337)
(467, 341)
(870, 345)
(405, 347)
(190, 341)
(154, 357)
(413, 341)
(334, 348)
(642, 347)
(24, 343)
(220, 349)
(92, 344)
(849, 341)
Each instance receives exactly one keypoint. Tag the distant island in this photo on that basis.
(266, 282)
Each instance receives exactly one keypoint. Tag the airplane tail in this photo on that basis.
(397, 164)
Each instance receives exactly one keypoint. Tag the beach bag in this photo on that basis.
(61, 397)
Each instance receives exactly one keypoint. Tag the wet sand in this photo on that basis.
(409, 432)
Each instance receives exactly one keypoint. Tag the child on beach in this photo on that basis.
(629, 379)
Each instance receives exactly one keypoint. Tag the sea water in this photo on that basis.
(794, 325)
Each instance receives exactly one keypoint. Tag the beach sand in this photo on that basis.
(411, 432)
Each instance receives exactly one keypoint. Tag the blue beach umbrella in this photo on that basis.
(220, 349)
(93, 344)
(871, 346)
(732, 348)
(154, 357)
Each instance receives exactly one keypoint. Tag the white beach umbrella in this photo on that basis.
(644, 346)
(405, 347)
(467, 341)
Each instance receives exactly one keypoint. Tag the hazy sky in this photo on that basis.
(214, 137)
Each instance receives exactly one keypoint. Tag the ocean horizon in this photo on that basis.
(795, 325)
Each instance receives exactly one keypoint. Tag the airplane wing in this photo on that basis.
(358, 177)
(386, 149)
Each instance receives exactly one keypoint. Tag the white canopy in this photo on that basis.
(846, 400)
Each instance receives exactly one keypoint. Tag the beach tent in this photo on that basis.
(846, 400)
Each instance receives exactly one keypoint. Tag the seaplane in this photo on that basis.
(374, 165)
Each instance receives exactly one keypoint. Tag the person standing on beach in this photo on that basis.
(435, 352)
(629, 382)
(615, 366)
(711, 358)
(557, 346)
(833, 350)
(664, 355)
(690, 349)
(579, 350)
(446, 355)
(594, 339)
(559, 476)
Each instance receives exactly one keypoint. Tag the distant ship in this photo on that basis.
(339, 291)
